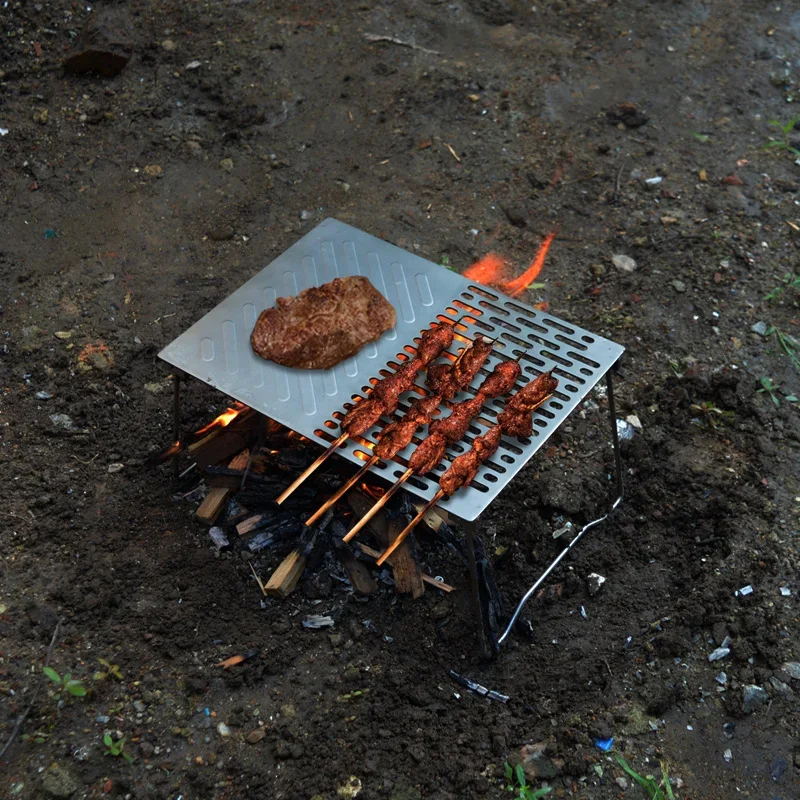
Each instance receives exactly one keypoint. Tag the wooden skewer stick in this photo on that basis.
(410, 527)
(341, 491)
(310, 470)
(378, 505)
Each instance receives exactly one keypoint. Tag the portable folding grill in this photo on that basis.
(217, 350)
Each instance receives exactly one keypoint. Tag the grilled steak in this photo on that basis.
(323, 325)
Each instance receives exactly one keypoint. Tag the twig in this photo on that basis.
(24, 715)
(377, 37)
(605, 661)
(616, 185)
(452, 152)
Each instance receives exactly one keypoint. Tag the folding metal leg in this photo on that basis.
(483, 641)
(176, 422)
(619, 493)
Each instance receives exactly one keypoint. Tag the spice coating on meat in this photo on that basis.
(464, 468)
(433, 342)
(455, 427)
(502, 378)
(362, 416)
(515, 418)
(429, 453)
(389, 389)
(398, 435)
(447, 379)
(323, 325)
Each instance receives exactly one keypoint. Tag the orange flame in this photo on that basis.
(493, 269)
(222, 421)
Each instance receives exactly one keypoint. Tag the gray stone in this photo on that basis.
(760, 328)
(58, 782)
(536, 764)
(595, 582)
(221, 233)
(623, 263)
(139, 706)
(781, 688)
(621, 782)
(792, 669)
(62, 422)
(679, 286)
(720, 652)
(752, 697)
(146, 749)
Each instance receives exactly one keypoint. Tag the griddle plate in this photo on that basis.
(216, 350)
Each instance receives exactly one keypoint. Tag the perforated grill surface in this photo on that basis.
(217, 350)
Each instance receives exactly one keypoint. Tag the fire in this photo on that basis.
(493, 269)
(223, 420)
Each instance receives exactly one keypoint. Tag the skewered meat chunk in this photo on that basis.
(429, 453)
(362, 416)
(389, 389)
(446, 380)
(464, 468)
(398, 435)
(386, 393)
(455, 427)
(434, 342)
(515, 418)
(502, 379)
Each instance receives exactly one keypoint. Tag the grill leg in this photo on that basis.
(483, 643)
(176, 422)
(619, 494)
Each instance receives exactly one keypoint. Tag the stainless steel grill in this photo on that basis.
(217, 350)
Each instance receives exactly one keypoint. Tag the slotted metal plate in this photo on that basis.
(217, 350)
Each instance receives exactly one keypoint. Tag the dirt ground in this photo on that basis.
(132, 204)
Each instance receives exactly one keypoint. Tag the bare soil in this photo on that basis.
(138, 201)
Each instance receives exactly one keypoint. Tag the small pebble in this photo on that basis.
(728, 755)
(623, 263)
(679, 286)
(112, 468)
(621, 782)
(306, 215)
(720, 652)
(47, 396)
(223, 730)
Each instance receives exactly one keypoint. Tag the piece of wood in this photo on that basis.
(283, 581)
(250, 524)
(429, 579)
(217, 497)
(357, 571)
(434, 518)
(407, 574)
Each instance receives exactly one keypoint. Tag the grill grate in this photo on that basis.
(217, 350)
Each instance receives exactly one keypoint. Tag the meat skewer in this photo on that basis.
(517, 416)
(452, 429)
(452, 378)
(394, 438)
(364, 415)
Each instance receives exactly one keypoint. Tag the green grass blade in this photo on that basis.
(52, 674)
(667, 784)
(76, 689)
